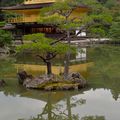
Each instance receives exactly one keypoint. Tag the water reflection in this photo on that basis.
(106, 70)
(60, 111)
(89, 105)
(99, 101)
(6, 67)
(81, 55)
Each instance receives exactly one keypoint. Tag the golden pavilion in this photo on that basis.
(27, 15)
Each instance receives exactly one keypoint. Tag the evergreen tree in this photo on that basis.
(44, 48)
(5, 38)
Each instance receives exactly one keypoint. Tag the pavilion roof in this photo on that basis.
(33, 6)
(27, 6)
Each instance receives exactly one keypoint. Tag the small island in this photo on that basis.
(47, 49)
(52, 82)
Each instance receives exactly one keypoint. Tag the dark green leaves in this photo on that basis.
(42, 45)
(5, 38)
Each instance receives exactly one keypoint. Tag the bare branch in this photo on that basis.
(42, 58)
(50, 56)
(60, 39)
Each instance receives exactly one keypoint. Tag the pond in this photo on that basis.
(99, 101)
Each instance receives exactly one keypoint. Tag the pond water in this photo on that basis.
(99, 101)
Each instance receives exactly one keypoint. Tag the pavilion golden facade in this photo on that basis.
(28, 14)
(29, 11)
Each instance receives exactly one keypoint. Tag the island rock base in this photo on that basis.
(52, 82)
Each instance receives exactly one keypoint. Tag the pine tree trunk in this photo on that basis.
(67, 58)
(66, 65)
(49, 68)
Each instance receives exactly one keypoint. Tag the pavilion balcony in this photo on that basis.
(22, 19)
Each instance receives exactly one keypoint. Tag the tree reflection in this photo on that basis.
(6, 67)
(58, 111)
(106, 69)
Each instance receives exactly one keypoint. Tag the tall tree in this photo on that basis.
(96, 22)
(59, 15)
(44, 48)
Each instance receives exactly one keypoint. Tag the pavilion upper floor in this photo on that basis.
(29, 11)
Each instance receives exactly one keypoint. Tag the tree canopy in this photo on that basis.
(45, 48)
(96, 21)
(43, 45)
(5, 38)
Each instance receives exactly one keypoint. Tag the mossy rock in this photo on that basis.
(52, 82)
(59, 85)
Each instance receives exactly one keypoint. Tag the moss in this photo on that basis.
(2, 23)
(58, 85)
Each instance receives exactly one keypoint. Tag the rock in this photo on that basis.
(4, 50)
(2, 83)
(36, 82)
(32, 82)
(49, 83)
(75, 77)
(22, 76)
(27, 82)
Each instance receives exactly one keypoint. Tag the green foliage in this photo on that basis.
(5, 38)
(55, 18)
(97, 21)
(59, 14)
(60, 7)
(6, 67)
(10, 2)
(70, 26)
(115, 31)
(97, 32)
(91, 3)
(111, 3)
(43, 45)
(2, 23)
(45, 48)
(9, 14)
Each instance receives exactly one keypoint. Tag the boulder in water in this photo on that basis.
(22, 76)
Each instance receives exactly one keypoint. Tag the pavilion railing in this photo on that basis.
(22, 19)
